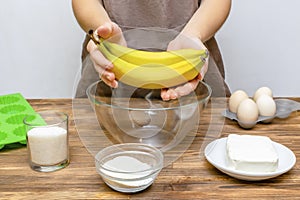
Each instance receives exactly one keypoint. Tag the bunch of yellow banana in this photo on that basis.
(152, 70)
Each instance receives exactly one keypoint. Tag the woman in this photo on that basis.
(197, 20)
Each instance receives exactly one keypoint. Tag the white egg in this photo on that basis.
(262, 90)
(247, 113)
(266, 105)
(235, 99)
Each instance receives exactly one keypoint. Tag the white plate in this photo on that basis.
(215, 153)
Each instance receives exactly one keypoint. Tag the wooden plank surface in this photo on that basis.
(189, 177)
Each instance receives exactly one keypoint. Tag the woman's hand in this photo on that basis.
(103, 66)
(183, 42)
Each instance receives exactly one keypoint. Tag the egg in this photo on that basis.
(235, 99)
(266, 105)
(262, 90)
(247, 113)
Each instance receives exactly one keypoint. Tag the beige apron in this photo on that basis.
(151, 25)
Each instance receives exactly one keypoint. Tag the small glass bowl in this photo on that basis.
(129, 167)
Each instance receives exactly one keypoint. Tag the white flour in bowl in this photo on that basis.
(127, 165)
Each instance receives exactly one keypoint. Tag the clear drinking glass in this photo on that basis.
(47, 140)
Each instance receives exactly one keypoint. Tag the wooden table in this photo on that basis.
(189, 177)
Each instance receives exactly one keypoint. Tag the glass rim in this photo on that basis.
(204, 99)
(65, 118)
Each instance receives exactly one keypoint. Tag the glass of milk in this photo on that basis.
(47, 140)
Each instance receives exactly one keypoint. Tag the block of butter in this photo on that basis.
(251, 153)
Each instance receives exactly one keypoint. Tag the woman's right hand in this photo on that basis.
(103, 66)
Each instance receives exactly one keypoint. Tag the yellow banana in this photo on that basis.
(152, 70)
(139, 57)
(153, 75)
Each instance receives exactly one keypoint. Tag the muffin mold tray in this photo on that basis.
(13, 109)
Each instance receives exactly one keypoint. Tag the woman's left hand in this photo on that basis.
(184, 42)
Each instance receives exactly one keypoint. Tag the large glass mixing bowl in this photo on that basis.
(135, 115)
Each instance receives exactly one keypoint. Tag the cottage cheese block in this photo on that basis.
(251, 153)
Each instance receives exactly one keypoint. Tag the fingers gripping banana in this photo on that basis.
(153, 70)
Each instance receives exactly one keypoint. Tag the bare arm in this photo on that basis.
(90, 14)
(205, 22)
(208, 19)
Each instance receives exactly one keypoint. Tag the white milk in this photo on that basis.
(48, 145)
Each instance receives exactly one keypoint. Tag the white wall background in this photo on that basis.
(261, 46)
(40, 45)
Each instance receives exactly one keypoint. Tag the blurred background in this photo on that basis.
(40, 46)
